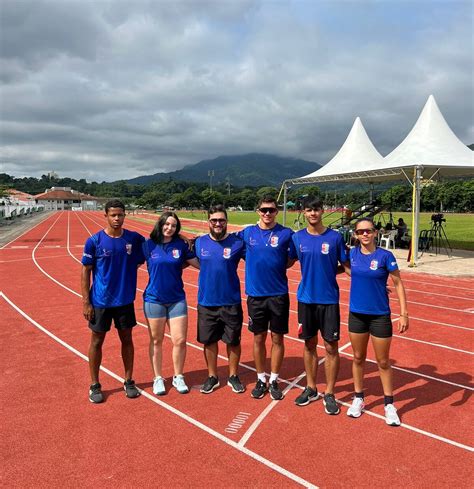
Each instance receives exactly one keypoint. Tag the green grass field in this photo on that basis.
(459, 227)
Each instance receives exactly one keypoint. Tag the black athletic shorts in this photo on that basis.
(220, 323)
(123, 316)
(377, 325)
(319, 317)
(269, 312)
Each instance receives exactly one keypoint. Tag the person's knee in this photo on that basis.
(359, 357)
(259, 339)
(332, 349)
(277, 339)
(97, 340)
(179, 341)
(126, 337)
(383, 363)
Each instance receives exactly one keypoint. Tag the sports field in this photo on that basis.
(53, 437)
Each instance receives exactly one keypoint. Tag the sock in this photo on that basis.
(388, 400)
(360, 395)
(273, 376)
(262, 377)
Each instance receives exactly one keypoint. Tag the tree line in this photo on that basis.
(451, 195)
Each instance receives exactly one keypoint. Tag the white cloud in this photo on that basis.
(114, 89)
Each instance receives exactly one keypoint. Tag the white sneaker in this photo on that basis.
(356, 408)
(391, 416)
(180, 385)
(159, 386)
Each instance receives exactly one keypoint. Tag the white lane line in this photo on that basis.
(277, 468)
(253, 427)
(19, 247)
(27, 231)
(368, 360)
(437, 323)
(433, 344)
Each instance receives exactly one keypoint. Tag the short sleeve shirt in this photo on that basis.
(114, 264)
(319, 256)
(369, 275)
(219, 283)
(266, 257)
(165, 267)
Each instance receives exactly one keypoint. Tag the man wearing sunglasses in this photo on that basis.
(320, 250)
(219, 303)
(269, 248)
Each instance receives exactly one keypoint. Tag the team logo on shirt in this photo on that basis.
(252, 241)
(108, 252)
(274, 241)
(325, 248)
(374, 264)
(227, 252)
(205, 252)
(393, 263)
(176, 253)
(128, 247)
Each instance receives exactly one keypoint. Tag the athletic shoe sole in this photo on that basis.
(261, 396)
(355, 416)
(235, 390)
(214, 387)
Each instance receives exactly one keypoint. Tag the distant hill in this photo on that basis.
(252, 169)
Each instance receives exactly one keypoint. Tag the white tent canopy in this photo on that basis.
(430, 148)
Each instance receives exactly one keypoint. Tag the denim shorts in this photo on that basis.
(154, 310)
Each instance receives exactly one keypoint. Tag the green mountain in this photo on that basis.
(252, 169)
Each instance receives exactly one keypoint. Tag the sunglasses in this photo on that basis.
(360, 232)
(267, 210)
(217, 221)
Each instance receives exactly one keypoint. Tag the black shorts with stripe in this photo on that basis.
(269, 312)
(220, 323)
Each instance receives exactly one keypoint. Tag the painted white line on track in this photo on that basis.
(277, 468)
(27, 231)
(253, 427)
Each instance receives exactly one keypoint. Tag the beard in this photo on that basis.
(218, 235)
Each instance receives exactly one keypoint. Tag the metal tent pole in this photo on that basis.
(415, 216)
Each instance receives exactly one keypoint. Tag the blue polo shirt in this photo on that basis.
(369, 275)
(266, 256)
(319, 256)
(114, 267)
(165, 266)
(219, 283)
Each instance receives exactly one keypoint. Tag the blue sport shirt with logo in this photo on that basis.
(369, 275)
(266, 256)
(114, 264)
(165, 266)
(219, 283)
(319, 256)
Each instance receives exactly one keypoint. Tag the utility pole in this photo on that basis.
(210, 174)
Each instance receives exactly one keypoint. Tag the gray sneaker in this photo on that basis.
(130, 389)
(330, 404)
(95, 393)
(180, 385)
(235, 384)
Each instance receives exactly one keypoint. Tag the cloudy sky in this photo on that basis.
(111, 89)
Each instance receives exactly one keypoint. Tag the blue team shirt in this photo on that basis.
(165, 266)
(114, 267)
(219, 284)
(266, 255)
(369, 275)
(319, 256)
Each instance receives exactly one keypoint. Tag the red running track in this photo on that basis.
(54, 437)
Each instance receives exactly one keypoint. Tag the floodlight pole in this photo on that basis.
(285, 199)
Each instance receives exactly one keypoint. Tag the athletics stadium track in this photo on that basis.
(53, 437)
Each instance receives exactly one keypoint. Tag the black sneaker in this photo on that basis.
(307, 396)
(330, 404)
(210, 384)
(260, 389)
(95, 394)
(235, 383)
(275, 392)
(130, 389)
